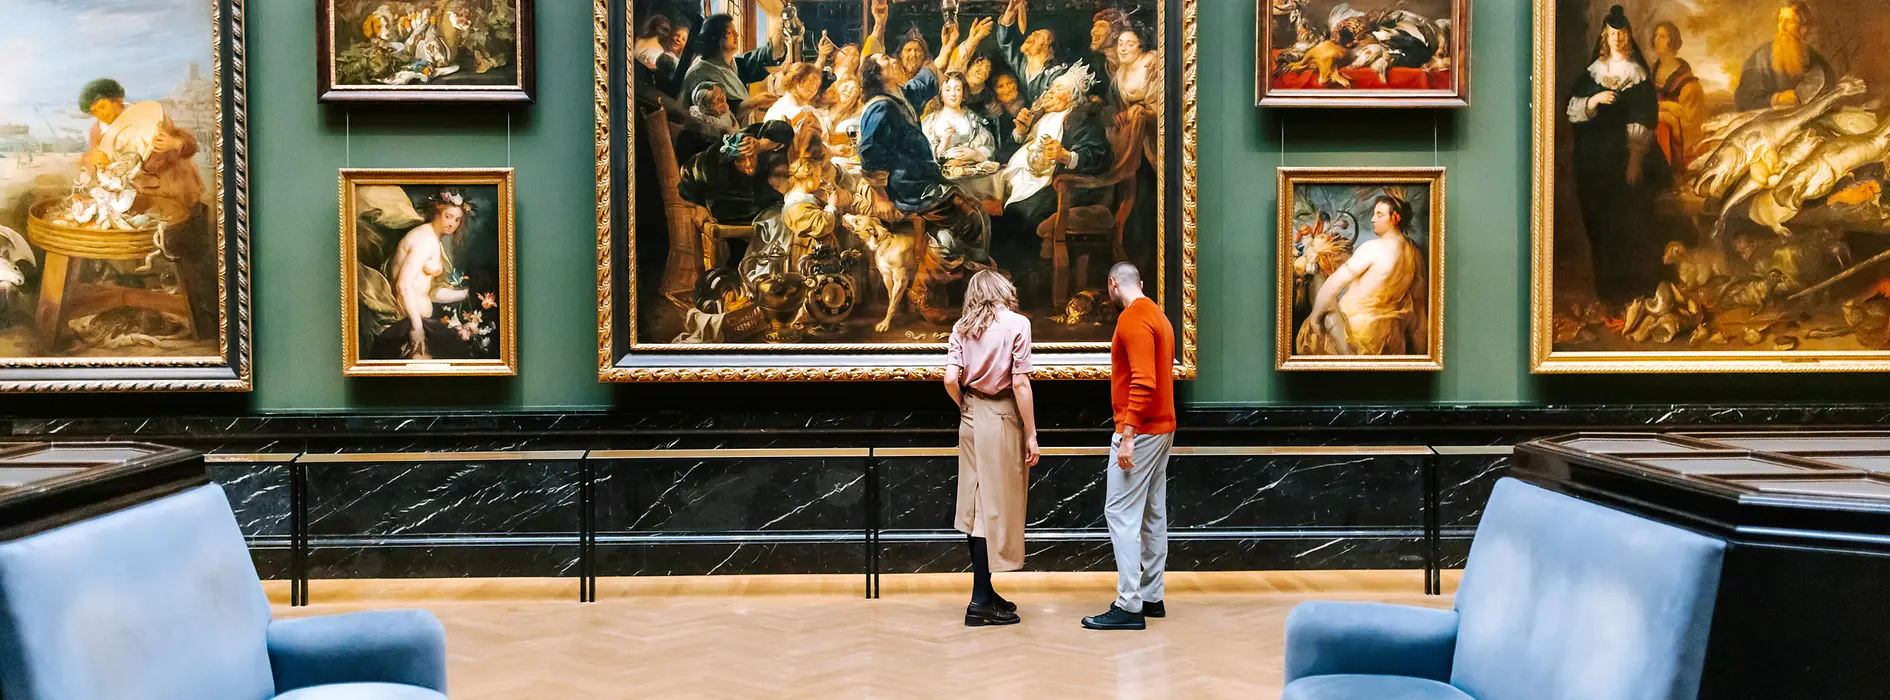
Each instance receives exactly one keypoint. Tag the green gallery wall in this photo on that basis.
(298, 145)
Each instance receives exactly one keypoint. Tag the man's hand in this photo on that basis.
(1054, 150)
(949, 36)
(979, 30)
(1125, 450)
(1010, 13)
(827, 47)
(881, 9)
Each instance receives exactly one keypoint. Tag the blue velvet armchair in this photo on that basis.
(1562, 599)
(160, 601)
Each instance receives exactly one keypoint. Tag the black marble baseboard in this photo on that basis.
(725, 512)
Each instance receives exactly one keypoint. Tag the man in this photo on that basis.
(1772, 75)
(169, 172)
(1033, 56)
(1103, 30)
(1062, 133)
(894, 151)
(1142, 393)
(1379, 292)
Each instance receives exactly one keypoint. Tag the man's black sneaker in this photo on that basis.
(1116, 619)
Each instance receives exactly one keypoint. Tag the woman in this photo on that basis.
(1614, 111)
(987, 373)
(1007, 98)
(800, 85)
(959, 137)
(1682, 100)
(421, 264)
(1138, 79)
(716, 57)
(842, 115)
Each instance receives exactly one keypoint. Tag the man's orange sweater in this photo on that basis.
(1142, 378)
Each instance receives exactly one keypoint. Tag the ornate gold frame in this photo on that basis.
(855, 362)
(1543, 358)
(507, 365)
(230, 370)
(1283, 356)
(1266, 96)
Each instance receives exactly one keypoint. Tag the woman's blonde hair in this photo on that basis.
(986, 294)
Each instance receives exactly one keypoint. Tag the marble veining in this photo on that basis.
(258, 494)
(443, 498)
(749, 494)
(1464, 484)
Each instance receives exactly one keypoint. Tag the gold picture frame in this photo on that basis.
(1330, 209)
(1717, 349)
(208, 253)
(1291, 21)
(390, 212)
(623, 356)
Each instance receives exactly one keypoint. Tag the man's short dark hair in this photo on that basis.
(101, 89)
(1125, 273)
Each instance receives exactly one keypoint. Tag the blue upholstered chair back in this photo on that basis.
(1567, 600)
(159, 601)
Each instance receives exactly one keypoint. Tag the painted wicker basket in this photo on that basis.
(99, 244)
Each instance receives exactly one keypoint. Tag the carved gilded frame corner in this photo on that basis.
(353, 365)
(1543, 358)
(1284, 357)
(231, 369)
(622, 357)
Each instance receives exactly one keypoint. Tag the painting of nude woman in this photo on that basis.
(1709, 186)
(1361, 264)
(427, 281)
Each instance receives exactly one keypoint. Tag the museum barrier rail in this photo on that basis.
(868, 510)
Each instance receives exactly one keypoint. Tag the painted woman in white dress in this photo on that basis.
(961, 139)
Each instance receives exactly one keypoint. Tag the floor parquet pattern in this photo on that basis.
(815, 637)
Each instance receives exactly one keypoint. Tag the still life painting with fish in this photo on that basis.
(819, 178)
(424, 50)
(1713, 173)
(112, 225)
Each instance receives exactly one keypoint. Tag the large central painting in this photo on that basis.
(1710, 180)
(799, 190)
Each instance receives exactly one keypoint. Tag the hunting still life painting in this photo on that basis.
(123, 244)
(427, 273)
(815, 181)
(1363, 53)
(425, 50)
(1710, 186)
(1361, 269)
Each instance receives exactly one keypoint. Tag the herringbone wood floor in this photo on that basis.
(815, 637)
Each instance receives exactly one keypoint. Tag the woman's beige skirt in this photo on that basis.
(992, 478)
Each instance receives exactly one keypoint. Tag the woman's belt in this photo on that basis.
(999, 396)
